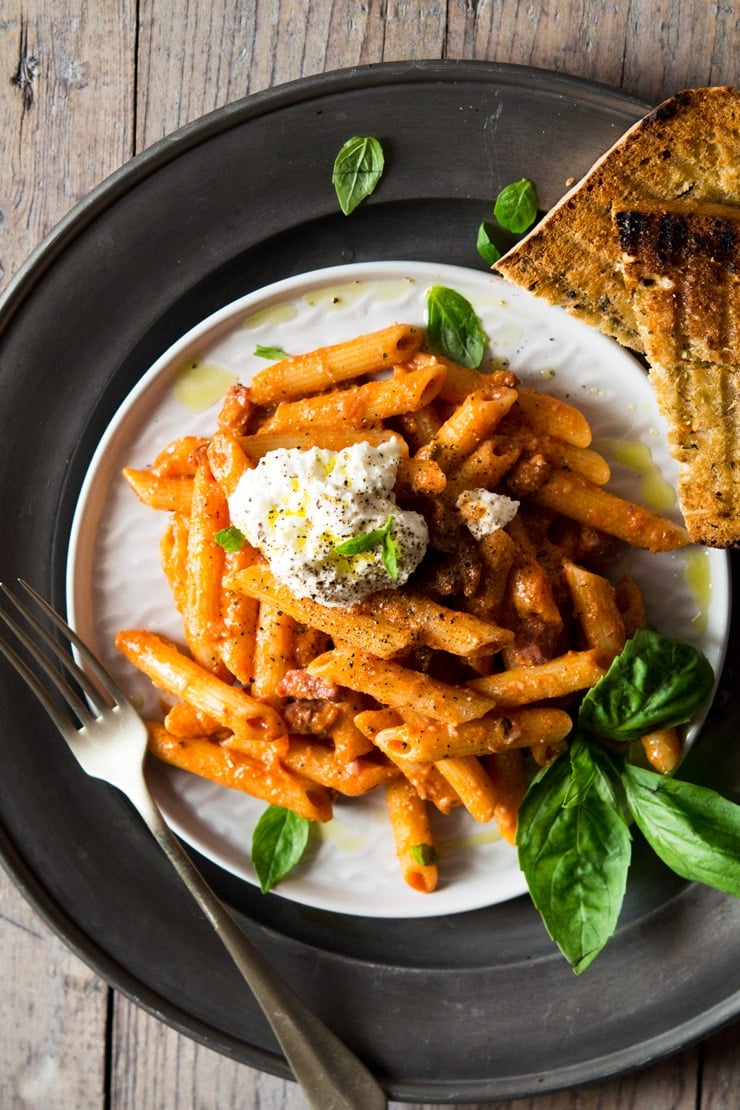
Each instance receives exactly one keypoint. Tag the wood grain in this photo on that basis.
(83, 88)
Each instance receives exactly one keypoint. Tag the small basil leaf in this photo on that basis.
(269, 352)
(358, 545)
(424, 854)
(654, 683)
(453, 328)
(390, 554)
(694, 830)
(575, 859)
(516, 206)
(485, 245)
(231, 538)
(278, 843)
(358, 168)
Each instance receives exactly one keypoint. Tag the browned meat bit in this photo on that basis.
(452, 573)
(535, 642)
(298, 683)
(310, 716)
(528, 475)
(236, 410)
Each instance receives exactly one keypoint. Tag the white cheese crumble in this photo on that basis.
(485, 512)
(298, 505)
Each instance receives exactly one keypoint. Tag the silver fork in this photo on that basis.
(109, 740)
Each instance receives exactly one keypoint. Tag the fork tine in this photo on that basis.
(61, 654)
(93, 664)
(63, 687)
(62, 722)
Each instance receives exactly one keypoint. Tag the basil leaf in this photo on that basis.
(270, 352)
(485, 245)
(654, 683)
(358, 545)
(694, 830)
(575, 857)
(516, 206)
(278, 843)
(231, 538)
(424, 854)
(358, 168)
(453, 328)
(591, 770)
(390, 553)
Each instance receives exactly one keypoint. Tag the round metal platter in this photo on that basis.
(468, 1007)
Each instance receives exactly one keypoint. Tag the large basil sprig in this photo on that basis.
(574, 848)
(573, 843)
(654, 683)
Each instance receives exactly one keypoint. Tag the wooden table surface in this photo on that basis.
(83, 87)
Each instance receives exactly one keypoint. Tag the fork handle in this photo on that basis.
(331, 1076)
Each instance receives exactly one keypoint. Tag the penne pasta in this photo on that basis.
(359, 405)
(268, 780)
(412, 834)
(378, 635)
(576, 497)
(446, 689)
(430, 740)
(398, 686)
(325, 367)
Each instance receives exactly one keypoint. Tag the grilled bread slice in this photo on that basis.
(687, 147)
(681, 267)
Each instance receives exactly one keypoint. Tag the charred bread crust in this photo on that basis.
(681, 265)
(688, 147)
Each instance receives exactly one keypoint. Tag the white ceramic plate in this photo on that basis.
(115, 580)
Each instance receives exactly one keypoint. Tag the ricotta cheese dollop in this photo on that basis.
(297, 506)
(485, 512)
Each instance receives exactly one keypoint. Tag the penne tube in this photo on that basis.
(484, 468)
(420, 426)
(472, 783)
(327, 437)
(556, 678)
(428, 783)
(595, 604)
(227, 460)
(349, 741)
(431, 741)
(398, 686)
(506, 770)
(172, 671)
(379, 636)
(556, 417)
(438, 626)
(576, 497)
(412, 835)
(204, 568)
(239, 618)
(320, 763)
(663, 749)
(566, 456)
(268, 780)
(183, 719)
(359, 405)
(179, 458)
(173, 552)
(274, 651)
(470, 423)
(419, 476)
(168, 494)
(325, 367)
